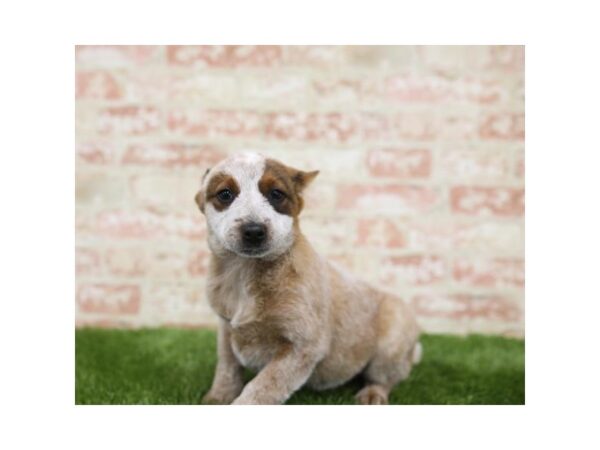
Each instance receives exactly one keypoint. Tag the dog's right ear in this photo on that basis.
(199, 198)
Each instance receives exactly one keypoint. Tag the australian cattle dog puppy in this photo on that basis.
(286, 312)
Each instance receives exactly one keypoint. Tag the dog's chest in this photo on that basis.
(254, 345)
(230, 297)
(254, 338)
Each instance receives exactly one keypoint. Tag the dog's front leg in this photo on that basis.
(228, 381)
(280, 378)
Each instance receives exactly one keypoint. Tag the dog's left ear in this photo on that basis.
(302, 179)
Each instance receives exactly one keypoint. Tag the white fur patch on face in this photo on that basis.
(249, 206)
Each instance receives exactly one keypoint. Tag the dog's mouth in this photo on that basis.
(253, 252)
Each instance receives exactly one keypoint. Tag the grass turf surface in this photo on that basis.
(173, 366)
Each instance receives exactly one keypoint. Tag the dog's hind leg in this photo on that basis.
(381, 375)
(396, 352)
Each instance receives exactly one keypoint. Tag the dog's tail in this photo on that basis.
(417, 353)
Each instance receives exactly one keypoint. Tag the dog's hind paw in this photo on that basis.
(372, 395)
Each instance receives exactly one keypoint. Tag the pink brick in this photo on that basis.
(486, 237)
(215, 123)
(320, 56)
(108, 298)
(283, 89)
(164, 192)
(436, 89)
(125, 262)
(97, 85)
(225, 56)
(468, 164)
(199, 86)
(87, 261)
(145, 86)
(129, 224)
(116, 55)
(185, 226)
(488, 200)
(380, 233)
(483, 91)
(503, 126)
(329, 127)
(389, 198)
(413, 270)
(414, 88)
(342, 91)
(173, 155)
(331, 162)
(146, 224)
(431, 235)
(329, 233)
(415, 126)
(467, 307)
(96, 153)
(128, 120)
(165, 263)
(453, 61)
(399, 163)
(490, 272)
(436, 234)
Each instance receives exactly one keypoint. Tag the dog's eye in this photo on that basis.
(276, 195)
(225, 196)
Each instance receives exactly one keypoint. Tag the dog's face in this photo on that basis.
(251, 204)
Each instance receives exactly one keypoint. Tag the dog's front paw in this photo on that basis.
(217, 398)
(249, 397)
(241, 400)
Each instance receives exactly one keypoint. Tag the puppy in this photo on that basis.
(285, 312)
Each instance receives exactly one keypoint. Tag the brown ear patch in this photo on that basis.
(219, 182)
(303, 179)
(288, 181)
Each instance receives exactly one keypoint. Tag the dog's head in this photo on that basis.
(251, 205)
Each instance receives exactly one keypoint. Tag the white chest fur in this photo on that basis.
(229, 295)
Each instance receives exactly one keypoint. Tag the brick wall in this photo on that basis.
(421, 152)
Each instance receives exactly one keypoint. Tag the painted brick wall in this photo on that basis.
(421, 152)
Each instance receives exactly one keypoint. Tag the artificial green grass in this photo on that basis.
(174, 366)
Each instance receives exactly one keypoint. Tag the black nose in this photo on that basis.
(254, 233)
